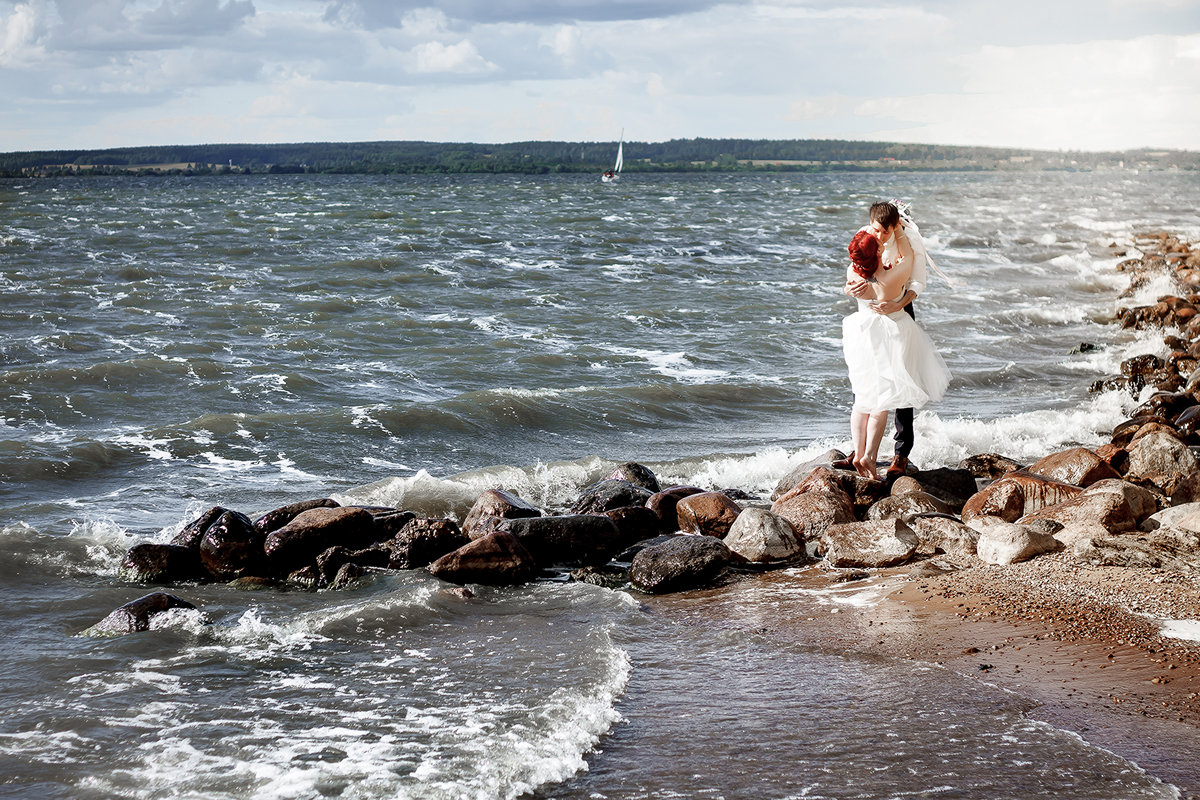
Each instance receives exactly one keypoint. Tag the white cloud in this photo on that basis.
(23, 32)
(461, 57)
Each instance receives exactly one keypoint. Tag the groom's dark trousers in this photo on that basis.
(905, 435)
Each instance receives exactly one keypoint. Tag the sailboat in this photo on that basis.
(613, 174)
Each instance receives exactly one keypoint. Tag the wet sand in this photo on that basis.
(1079, 643)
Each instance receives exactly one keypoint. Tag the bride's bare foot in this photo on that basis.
(866, 468)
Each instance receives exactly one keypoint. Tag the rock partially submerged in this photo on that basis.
(137, 615)
(680, 563)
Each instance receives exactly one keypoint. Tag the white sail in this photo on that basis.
(620, 157)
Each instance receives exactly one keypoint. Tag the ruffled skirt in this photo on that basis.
(892, 362)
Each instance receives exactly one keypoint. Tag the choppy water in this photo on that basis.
(166, 345)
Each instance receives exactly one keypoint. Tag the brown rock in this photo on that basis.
(136, 615)
(989, 466)
(492, 505)
(497, 559)
(191, 535)
(903, 506)
(634, 523)
(1162, 459)
(1015, 495)
(570, 540)
(942, 534)
(680, 563)
(274, 520)
(162, 563)
(665, 505)
(313, 532)
(638, 475)
(788, 482)
(231, 548)
(423, 541)
(707, 513)
(1115, 505)
(812, 512)
(1077, 466)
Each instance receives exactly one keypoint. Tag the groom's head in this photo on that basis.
(884, 219)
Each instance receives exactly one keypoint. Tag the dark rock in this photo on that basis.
(988, 466)
(162, 563)
(634, 523)
(1188, 425)
(576, 539)
(423, 541)
(231, 548)
(390, 523)
(609, 494)
(636, 474)
(665, 505)
(492, 505)
(626, 555)
(497, 559)
(191, 535)
(1167, 405)
(707, 513)
(136, 614)
(312, 532)
(274, 520)
(738, 495)
(306, 578)
(953, 486)
(679, 564)
(346, 577)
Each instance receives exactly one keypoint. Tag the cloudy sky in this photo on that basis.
(1049, 74)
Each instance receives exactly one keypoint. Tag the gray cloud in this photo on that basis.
(384, 13)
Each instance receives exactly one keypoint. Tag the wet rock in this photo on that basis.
(495, 504)
(812, 512)
(1116, 457)
(1139, 368)
(162, 563)
(1077, 466)
(136, 615)
(193, 532)
(626, 555)
(761, 537)
(391, 522)
(707, 513)
(989, 466)
(861, 492)
(306, 578)
(423, 541)
(1123, 434)
(1166, 404)
(609, 494)
(634, 523)
(1114, 504)
(1003, 542)
(312, 532)
(274, 520)
(347, 577)
(1161, 459)
(1015, 495)
(942, 534)
(952, 486)
(1188, 425)
(679, 564)
(638, 475)
(496, 559)
(665, 505)
(789, 482)
(231, 548)
(609, 576)
(576, 539)
(909, 504)
(876, 543)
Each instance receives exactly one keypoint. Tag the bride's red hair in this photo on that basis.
(864, 254)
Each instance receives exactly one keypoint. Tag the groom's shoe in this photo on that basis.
(897, 469)
(842, 463)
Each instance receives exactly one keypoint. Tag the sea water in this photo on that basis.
(171, 344)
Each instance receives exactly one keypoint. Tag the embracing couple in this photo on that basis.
(892, 362)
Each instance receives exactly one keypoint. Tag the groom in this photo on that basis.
(885, 222)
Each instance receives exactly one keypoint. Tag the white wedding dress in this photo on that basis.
(892, 361)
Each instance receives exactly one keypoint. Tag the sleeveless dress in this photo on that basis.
(892, 361)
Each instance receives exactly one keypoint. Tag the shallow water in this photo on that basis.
(172, 344)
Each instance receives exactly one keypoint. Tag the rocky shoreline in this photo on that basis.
(1095, 549)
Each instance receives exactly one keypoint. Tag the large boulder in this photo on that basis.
(952, 486)
(136, 615)
(1163, 548)
(495, 559)
(759, 536)
(423, 541)
(789, 481)
(665, 505)
(707, 513)
(862, 492)
(609, 494)
(909, 504)
(812, 512)
(634, 524)
(938, 533)
(1185, 517)
(312, 532)
(1161, 459)
(638, 475)
(1077, 466)
(494, 505)
(571, 540)
(162, 563)
(1003, 542)
(680, 563)
(193, 532)
(276, 519)
(1015, 495)
(231, 548)
(1114, 504)
(875, 543)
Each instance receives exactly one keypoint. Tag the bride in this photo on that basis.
(891, 360)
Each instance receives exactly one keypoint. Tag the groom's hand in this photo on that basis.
(857, 288)
(886, 307)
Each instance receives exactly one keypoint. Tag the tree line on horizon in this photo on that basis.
(537, 157)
